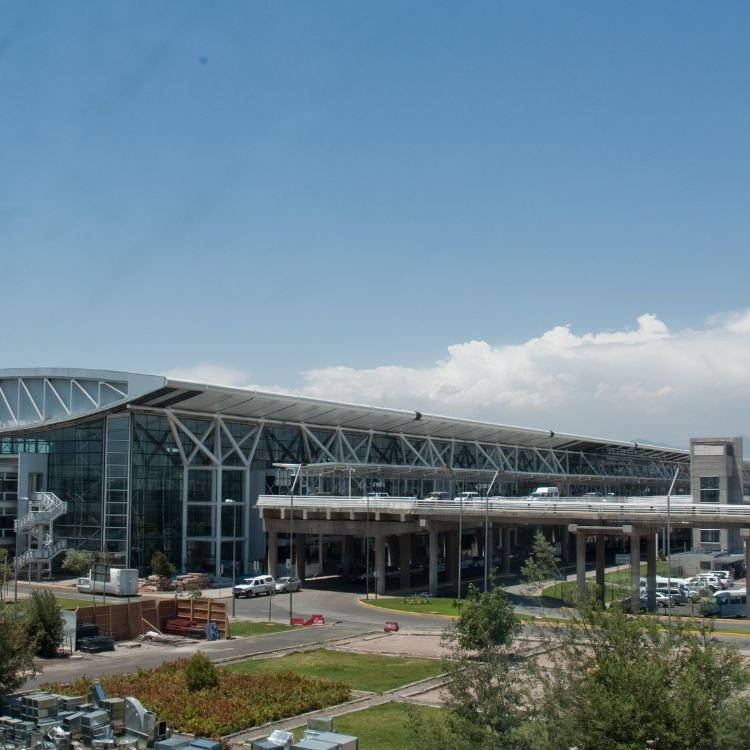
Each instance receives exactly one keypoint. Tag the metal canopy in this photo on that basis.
(203, 399)
(245, 403)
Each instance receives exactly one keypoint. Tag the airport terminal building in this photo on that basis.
(129, 464)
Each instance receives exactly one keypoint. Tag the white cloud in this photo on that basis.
(645, 383)
(209, 373)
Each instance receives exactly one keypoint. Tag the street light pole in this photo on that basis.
(367, 549)
(233, 503)
(291, 538)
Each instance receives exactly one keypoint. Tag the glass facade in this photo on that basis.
(75, 471)
(140, 482)
(710, 489)
(156, 492)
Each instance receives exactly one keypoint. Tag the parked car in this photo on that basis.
(467, 497)
(255, 587)
(285, 584)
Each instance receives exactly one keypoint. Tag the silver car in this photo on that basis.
(285, 584)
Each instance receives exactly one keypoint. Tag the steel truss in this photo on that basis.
(223, 440)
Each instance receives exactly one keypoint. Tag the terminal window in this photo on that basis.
(709, 489)
(710, 536)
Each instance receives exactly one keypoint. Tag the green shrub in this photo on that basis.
(200, 673)
(45, 623)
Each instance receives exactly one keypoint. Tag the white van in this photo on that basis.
(545, 493)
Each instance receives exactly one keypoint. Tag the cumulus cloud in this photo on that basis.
(645, 383)
(209, 373)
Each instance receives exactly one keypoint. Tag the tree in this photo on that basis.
(487, 623)
(16, 652)
(630, 682)
(4, 571)
(44, 623)
(541, 566)
(161, 566)
(488, 692)
(78, 561)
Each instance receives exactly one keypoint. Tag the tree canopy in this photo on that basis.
(16, 651)
(606, 680)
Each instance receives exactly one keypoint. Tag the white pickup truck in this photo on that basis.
(255, 587)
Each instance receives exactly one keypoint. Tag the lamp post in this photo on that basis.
(231, 502)
(367, 549)
(669, 544)
(298, 467)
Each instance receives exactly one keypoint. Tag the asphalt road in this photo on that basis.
(345, 617)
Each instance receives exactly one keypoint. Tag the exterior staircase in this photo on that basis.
(37, 523)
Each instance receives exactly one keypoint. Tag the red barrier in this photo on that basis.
(391, 627)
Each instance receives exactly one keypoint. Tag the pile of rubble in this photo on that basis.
(186, 582)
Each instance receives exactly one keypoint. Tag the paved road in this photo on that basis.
(345, 617)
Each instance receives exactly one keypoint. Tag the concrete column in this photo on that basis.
(506, 550)
(404, 556)
(347, 556)
(581, 565)
(600, 590)
(394, 550)
(745, 533)
(635, 570)
(273, 553)
(299, 555)
(651, 570)
(433, 571)
(564, 544)
(320, 555)
(451, 555)
(380, 563)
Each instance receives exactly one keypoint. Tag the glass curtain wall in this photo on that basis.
(156, 493)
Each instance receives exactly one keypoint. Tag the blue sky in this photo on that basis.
(388, 202)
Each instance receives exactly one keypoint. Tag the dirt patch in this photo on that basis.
(426, 646)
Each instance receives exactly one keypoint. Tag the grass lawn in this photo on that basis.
(247, 627)
(617, 584)
(370, 672)
(383, 727)
(425, 605)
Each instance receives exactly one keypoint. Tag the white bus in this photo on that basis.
(729, 603)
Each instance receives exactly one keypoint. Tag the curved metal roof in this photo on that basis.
(33, 398)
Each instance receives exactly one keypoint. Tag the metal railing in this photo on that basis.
(44, 509)
(609, 508)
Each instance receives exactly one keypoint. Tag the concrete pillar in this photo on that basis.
(746, 538)
(581, 565)
(379, 563)
(635, 570)
(273, 553)
(433, 571)
(404, 556)
(564, 544)
(299, 555)
(347, 556)
(506, 550)
(651, 570)
(451, 555)
(600, 590)
(394, 550)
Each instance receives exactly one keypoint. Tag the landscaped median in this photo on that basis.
(254, 692)
(420, 605)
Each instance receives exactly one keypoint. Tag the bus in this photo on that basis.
(729, 603)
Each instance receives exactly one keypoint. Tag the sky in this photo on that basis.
(531, 213)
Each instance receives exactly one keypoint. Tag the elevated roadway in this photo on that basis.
(383, 517)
